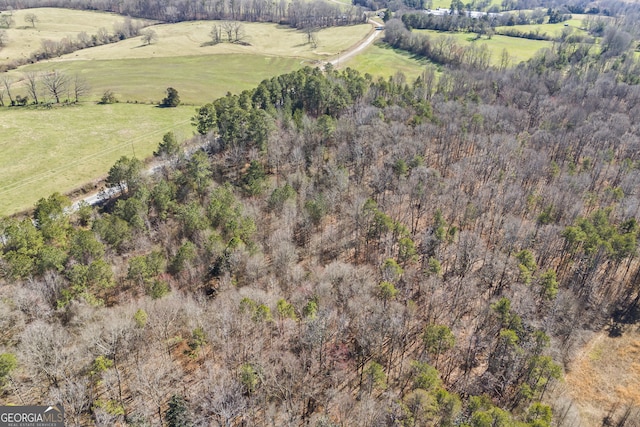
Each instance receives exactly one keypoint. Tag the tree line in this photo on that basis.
(43, 87)
(441, 49)
(297, 14)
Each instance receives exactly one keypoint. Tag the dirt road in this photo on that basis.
(356, 49)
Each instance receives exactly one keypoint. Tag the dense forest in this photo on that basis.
(343, 251)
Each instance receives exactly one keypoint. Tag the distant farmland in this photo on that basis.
(23, 39)
(62, 148)
(184, 58)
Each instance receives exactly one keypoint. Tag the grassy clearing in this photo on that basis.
(381, 60)
(551, 30)
(442, 4)
(519, 49)
(202, 72)
(607, 373)
(44, 151)
(192, 39)
(53, 24)
(198, 79)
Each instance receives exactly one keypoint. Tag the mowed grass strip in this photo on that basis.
(381, 60)
(58, 149)
(53, 24)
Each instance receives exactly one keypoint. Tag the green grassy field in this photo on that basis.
(552, 30)
(198, 79)
(519, 49)
(201, 72)
(192, 39)
(53, 24)
(381, 60)
(58, 149)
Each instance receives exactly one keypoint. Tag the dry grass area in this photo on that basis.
(605, 376)
(53, 24)
(193, 39)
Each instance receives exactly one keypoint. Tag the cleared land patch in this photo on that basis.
(382, 60)
(606, 376)
(192, 39)
(551, 30)
(58, 149)
(184, 58)
(198, 79)
(53, 24)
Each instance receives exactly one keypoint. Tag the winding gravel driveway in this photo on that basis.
(360, 46)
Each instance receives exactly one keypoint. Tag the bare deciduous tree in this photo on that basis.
(6, 21)
(44, 349)
(216, 34)
(238, 31)
(80, 87)
(152, 382)
(32, 79)
(234, 31)
(56, 83)
(312, 35)
(149, 36)
(31, 18)
(7, 82)
(227, 27)
(76, 397)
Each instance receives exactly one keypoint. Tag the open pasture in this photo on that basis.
(184, 58)
(59, 149)
(551, 30)
(55, 24)
(198, 79)
(446, 4)
(193, 39)
(384, 61)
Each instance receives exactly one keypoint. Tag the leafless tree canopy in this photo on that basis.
(31, 18)
(149, 36)
(55, 83)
